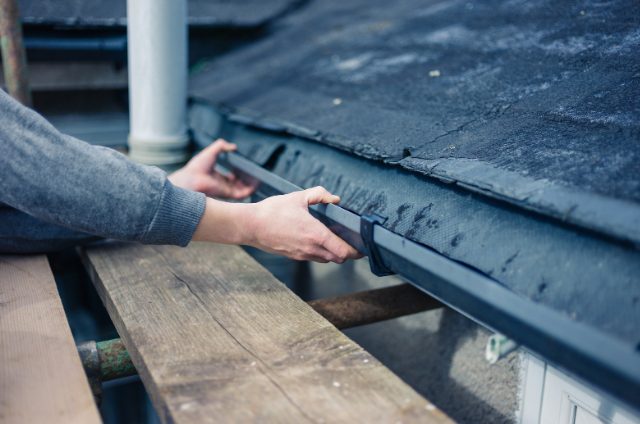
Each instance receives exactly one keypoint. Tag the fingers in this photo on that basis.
(319, 194)
(340, 249)
(237, 190)
(334, 248)
(206, 159)
(241, 190)
(220, 146)
(317, 255)
(233, 188)
(218, 185)
(327, 245)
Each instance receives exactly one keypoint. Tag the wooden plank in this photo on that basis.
(216, 338)
(41, 376)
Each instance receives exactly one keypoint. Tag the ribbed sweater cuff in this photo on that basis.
(177, 216)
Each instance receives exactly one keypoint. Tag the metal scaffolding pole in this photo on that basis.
(368, 307)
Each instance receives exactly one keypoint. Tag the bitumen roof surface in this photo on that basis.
(99, 13)
(533, 106)
(533, 102)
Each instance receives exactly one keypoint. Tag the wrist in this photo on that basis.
(180, 179)
(245, 217)
(229, 223)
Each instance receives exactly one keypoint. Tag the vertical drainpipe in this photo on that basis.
(157, 57)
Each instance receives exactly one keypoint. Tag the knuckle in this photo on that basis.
(310, 240)
(318, 190)
(323, 238)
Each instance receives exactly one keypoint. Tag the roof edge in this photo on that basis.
(606, 216)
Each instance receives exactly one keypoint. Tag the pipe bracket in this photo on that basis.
(367, 225)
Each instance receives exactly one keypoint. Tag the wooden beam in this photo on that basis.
(215, 337)
(41, 377)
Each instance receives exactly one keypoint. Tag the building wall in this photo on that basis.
(552, 396)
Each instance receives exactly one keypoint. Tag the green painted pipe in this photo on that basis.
(104, 361)
(115, 361)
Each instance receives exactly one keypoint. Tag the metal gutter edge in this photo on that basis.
(591, 355)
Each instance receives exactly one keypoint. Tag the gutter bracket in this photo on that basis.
(367, 224)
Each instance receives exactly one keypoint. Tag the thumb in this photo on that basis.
(206, 159)
(319, 194)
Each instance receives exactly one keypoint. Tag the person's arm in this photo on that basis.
(68, 183)
(22, 233)
(280, 224)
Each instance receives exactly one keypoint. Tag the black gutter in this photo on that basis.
(589, 354)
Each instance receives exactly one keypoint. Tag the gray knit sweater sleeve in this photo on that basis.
(68, 183)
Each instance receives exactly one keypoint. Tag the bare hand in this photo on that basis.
(199, 175)
(283, 225)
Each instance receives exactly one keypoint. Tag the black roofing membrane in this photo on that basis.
(533, 102)
(101, 13)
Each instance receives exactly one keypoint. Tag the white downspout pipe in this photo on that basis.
(157, 56)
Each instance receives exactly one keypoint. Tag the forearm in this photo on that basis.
(225, 222)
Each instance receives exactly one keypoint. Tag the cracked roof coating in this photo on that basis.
(533, 102)
(100, 13)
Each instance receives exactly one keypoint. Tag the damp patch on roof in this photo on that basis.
(500, 97)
